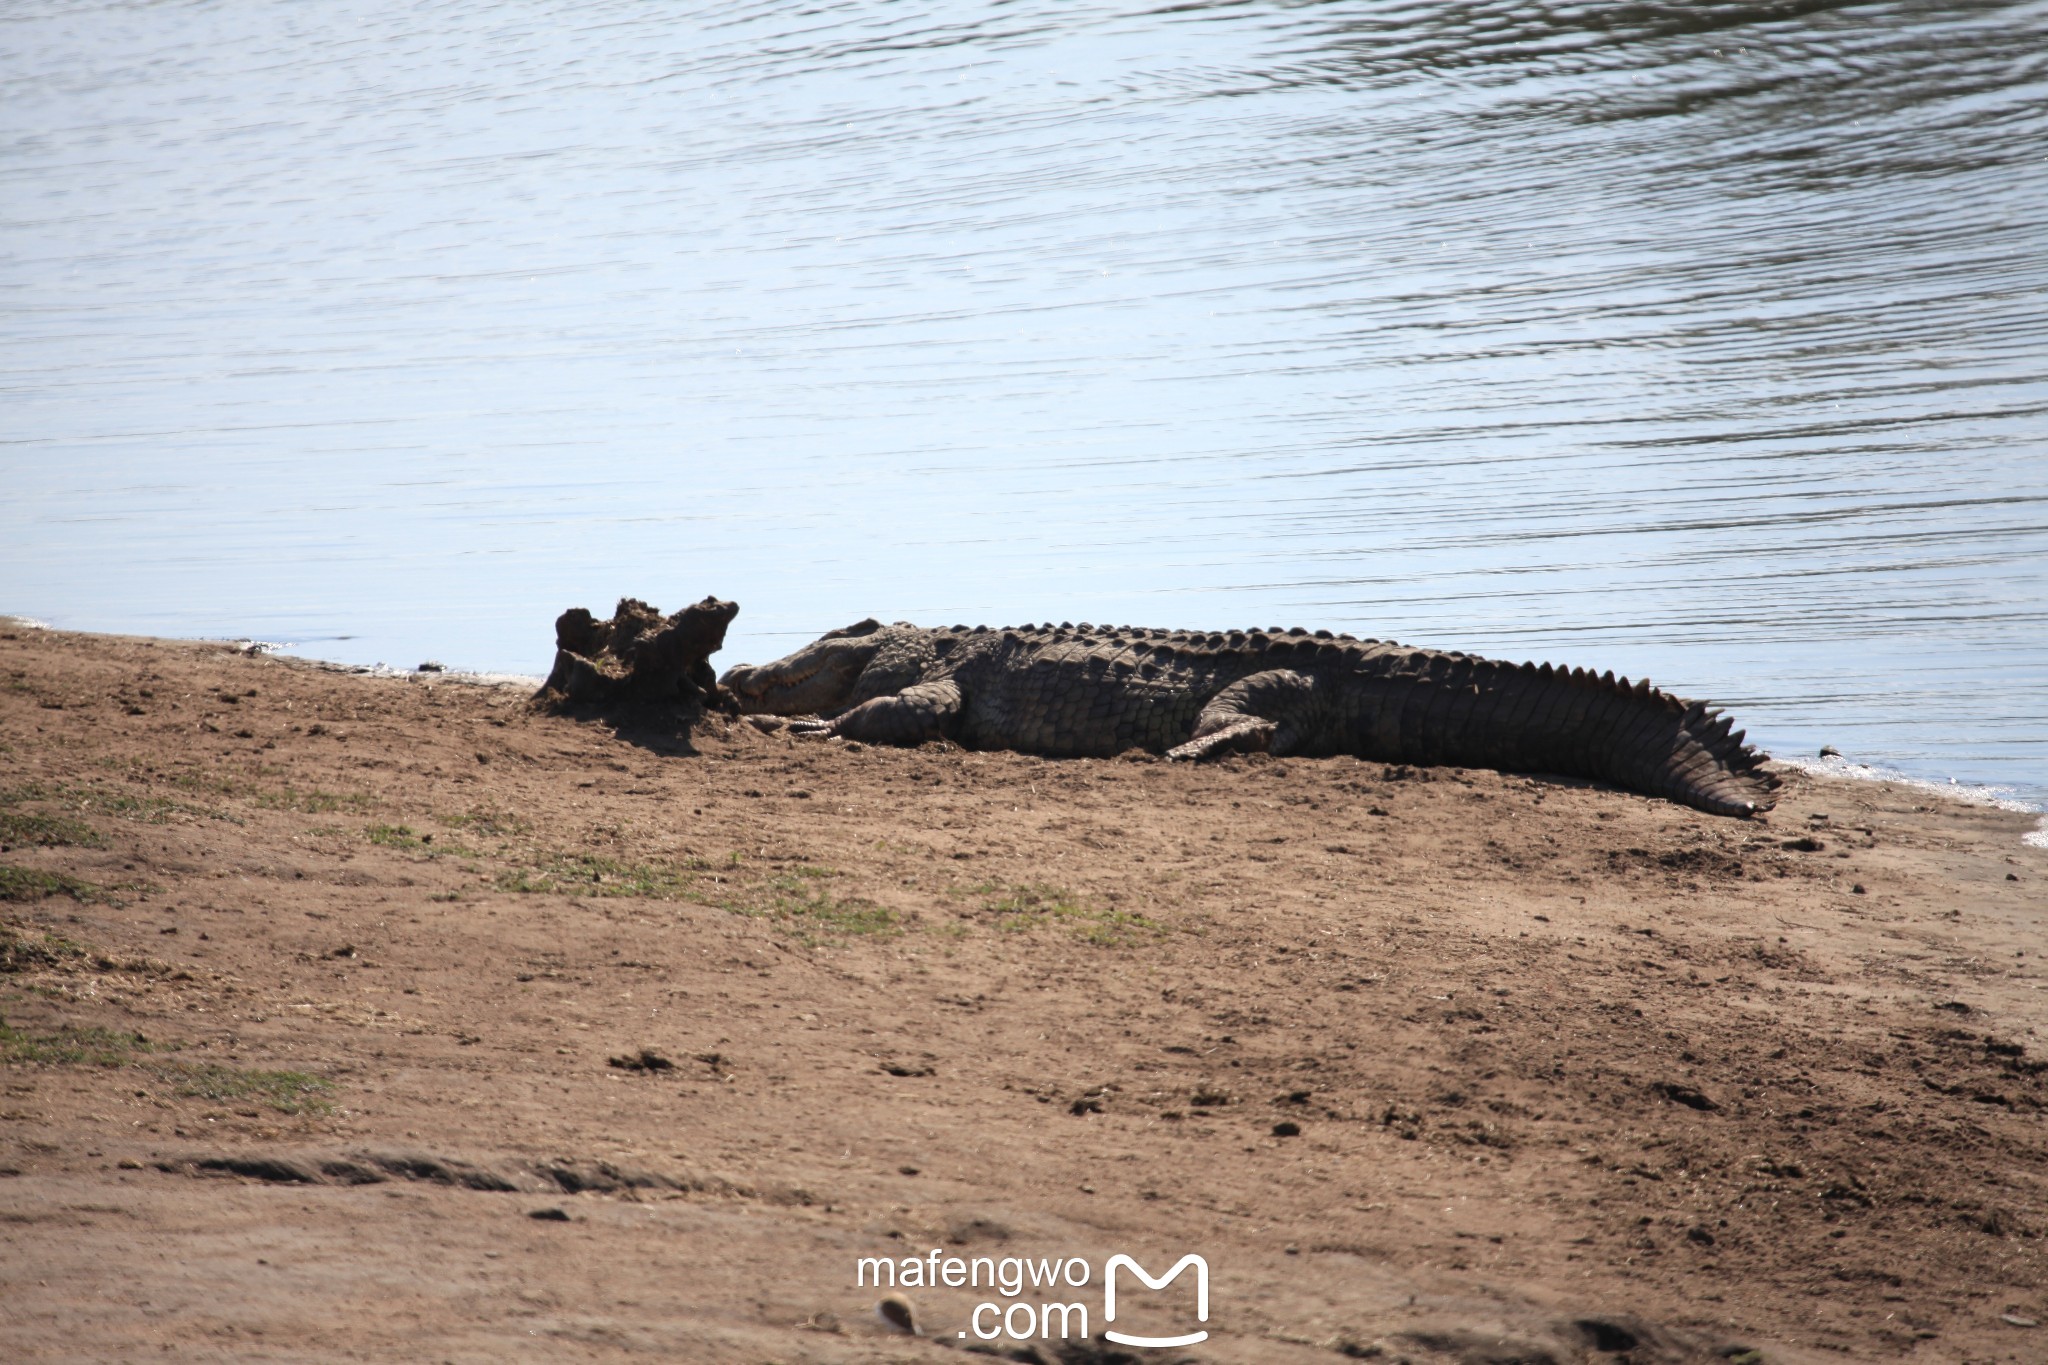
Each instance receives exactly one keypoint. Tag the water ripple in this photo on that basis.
(1699, 340)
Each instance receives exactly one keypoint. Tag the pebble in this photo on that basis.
(898, 1315)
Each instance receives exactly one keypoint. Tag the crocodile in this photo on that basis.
(1082, 690)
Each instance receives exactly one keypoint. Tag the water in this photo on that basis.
(1701, 341)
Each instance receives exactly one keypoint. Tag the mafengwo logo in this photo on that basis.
(1055, 1312)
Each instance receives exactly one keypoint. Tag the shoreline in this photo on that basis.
(1841, 768)
(359, 1015)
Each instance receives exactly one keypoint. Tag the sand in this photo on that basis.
(376, 1018)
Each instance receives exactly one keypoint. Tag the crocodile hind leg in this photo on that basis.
(1266, 712)
(927, 711)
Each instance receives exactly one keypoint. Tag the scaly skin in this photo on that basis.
(1075, 691)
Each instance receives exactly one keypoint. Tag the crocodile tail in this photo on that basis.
(1585, 724)
(1639, 737)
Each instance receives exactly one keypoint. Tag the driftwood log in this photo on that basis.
(638, 659)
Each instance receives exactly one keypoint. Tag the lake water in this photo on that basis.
(1708, 341)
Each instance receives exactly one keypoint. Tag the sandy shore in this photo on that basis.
(314, 985)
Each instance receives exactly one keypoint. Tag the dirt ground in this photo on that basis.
(313, 985)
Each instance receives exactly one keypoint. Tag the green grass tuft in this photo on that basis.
(72, 1047)
(492, 824)
(18, 954)
(1021, 909)
(590, 874)
(315, 802)
(33, 884)
(405, 837)
(287, 1092)
(47, 831)
(147, 810)
(795, 901)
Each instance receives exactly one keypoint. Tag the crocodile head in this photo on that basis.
(825, 675)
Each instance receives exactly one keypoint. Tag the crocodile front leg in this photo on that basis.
(927, 711)
(1266, 712)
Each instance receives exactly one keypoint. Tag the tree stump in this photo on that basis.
(638, 660)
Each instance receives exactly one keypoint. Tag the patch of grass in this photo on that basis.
(845, 919)
(492, 824)
(204, 782)
(147, 810)
(405, 837)
(33, 884)
(1020, 909)
(21, 954)
(288, 1092)
(589, 874)
(48, 831)
(795, 900)
(72, 1047)
(315, 801)
(151, 810)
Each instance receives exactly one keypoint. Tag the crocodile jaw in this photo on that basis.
(817, 678)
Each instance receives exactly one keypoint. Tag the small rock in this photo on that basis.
(647, 1059)
(1830, 751)
(430, 666)
(1683, 1094)
(898, 1314)
(549, 1215)
(1286, 1128)
(2018, 1321)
